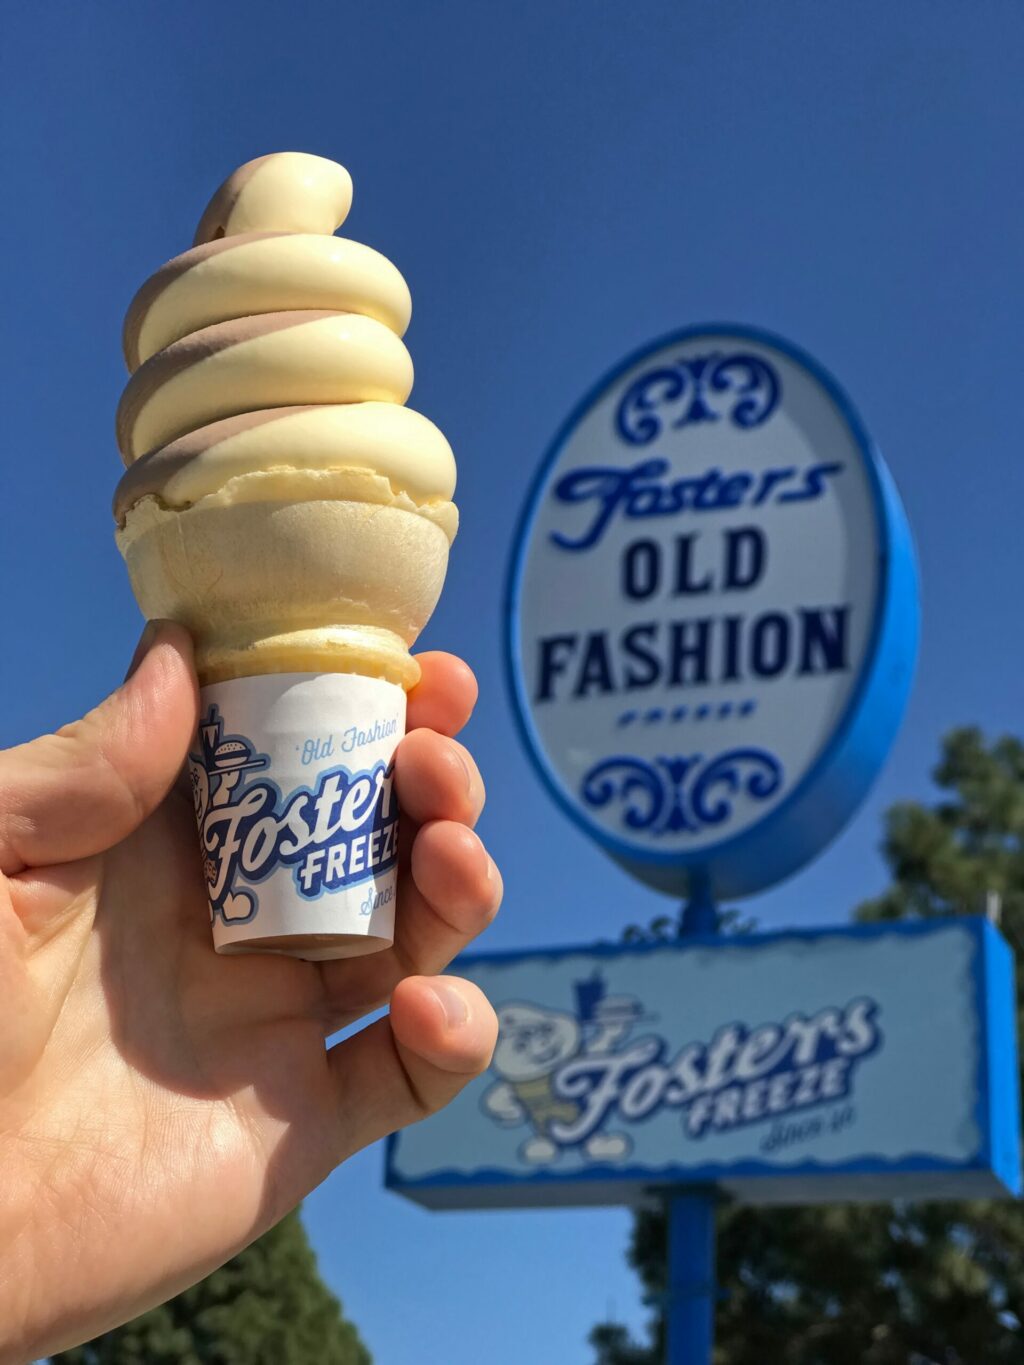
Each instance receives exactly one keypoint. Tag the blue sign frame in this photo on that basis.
(995, 1168)
(839, 779)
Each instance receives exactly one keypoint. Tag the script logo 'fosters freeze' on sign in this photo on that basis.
(570, 1077)
(337, 833)
(701, 600)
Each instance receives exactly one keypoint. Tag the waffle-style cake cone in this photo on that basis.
(280, 500)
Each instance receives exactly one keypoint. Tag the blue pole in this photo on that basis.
(691, 1279)
(692, 1291)
(700, 914)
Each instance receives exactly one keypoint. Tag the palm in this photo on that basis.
(184, 1101)
(175, 1071)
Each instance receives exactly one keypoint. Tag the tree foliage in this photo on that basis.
(903, 1284)
(267, 1306)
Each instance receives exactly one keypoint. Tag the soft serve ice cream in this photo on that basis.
(282, 503)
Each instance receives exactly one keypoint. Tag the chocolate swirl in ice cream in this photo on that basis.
(274, 346)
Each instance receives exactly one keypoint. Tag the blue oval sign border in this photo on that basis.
(822, 802)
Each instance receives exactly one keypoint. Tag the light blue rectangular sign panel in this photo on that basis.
(869, 1062)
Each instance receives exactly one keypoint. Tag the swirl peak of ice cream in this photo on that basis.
(265, 419)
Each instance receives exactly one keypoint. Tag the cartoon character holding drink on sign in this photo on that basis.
(534, 1045)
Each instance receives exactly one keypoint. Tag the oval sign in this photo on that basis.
(713, 612)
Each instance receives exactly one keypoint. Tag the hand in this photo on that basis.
(161, 1106)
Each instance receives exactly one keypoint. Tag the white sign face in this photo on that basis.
(697, 594)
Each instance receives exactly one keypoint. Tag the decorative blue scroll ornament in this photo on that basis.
(712, 537)
(681, 793)
(695, 386)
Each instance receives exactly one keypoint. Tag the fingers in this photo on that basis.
(450, 894)
(437, 779)
(449, 888)
(456, 879)
(440, 1034)
(445, 695)
(68, 795)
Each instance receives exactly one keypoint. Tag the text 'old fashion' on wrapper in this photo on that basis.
(292, 777)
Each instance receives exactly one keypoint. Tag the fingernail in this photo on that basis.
(456, 1011)
(492, 868)
(464, 761)
(143, 647)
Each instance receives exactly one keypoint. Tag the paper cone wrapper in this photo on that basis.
(292, 777)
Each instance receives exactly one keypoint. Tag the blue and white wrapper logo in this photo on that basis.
(293, 783)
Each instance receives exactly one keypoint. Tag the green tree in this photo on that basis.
(902, 1284)
(267, 1306)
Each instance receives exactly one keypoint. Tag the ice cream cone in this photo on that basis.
(283, 504)
(542, 1106)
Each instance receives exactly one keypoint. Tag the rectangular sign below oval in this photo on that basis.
(868, 1062)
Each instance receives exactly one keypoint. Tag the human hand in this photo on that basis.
(161, 1106)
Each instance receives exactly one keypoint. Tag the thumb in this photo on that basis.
(83, 789)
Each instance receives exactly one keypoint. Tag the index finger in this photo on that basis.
(445, 695)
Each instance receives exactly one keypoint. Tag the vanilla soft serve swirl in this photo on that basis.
(273, 342)
(268, 372)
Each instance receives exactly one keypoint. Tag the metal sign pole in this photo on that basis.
(691, 1278)
(692, 1288)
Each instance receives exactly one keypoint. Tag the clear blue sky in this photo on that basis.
(560, 181)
